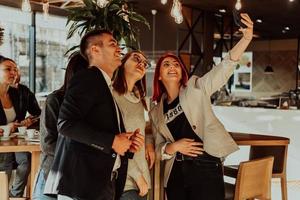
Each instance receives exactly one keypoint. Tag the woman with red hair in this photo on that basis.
(189, 137)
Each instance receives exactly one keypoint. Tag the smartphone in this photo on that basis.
(35, 118)
(237, 18)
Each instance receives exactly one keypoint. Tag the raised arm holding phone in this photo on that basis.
(189, 137)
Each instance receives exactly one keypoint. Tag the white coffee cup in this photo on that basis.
(6, 130)
(31, 133)
(22, 130)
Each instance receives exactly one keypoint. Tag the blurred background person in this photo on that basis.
(48, 125)
(13, 108)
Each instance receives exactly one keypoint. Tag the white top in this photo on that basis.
(10, 114)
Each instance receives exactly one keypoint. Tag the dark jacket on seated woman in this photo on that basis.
(23, 101)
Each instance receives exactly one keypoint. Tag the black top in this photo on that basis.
(177, 122)
(23, 101)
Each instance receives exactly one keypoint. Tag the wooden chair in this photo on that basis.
(279, 167)
(4, 188)
(253, 180)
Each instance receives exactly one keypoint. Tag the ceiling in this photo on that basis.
(276, 14)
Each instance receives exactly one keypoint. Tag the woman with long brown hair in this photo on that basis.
(129, 91)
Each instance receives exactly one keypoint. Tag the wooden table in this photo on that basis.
(20, 145)
(265, 145)
(259, 140)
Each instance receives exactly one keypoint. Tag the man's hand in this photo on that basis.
(122, 143)
(138, 141)
(150, 155)
(142, 185)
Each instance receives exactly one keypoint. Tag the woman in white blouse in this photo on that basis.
(189, 137)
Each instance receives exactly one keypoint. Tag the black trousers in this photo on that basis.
(196, 180)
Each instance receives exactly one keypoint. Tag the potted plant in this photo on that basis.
(116, 16)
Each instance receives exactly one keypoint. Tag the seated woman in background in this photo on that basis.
(129, 91)
(48, 125)
(13, 108)
(28, 99)
(183, 120)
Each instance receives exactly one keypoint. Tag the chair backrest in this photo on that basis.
(3, 186)
(278, 152)
(254, 179)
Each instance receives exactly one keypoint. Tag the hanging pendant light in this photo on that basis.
(179, 19)
(238, 5)
(102, 3)
(269, 69)
(176, 11)
(26, 7)
(163, 1)
(46, 10)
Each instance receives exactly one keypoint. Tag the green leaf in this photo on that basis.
(88, 3)
(71, 49)
(91, 16)
(114, 7)
(139, 18)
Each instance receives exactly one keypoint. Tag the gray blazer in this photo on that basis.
(195, 103)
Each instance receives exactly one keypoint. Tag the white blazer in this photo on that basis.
(196, 104)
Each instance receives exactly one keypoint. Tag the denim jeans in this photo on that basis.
(39, 188)
(196, 180)
(132, 195)
(22, 160)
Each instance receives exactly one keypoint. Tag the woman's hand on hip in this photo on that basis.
(185, 146)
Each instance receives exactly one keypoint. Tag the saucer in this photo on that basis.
(4, 138)
(8, 138)
(19, 135)
(34, 139)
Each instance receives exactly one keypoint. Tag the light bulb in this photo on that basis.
(176, 9)
(102, 3)
(153, 11)
(46, 10)
(238, 5)
(26, 7)
(163, 1)
(179, 19)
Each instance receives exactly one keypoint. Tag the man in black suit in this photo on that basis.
(91, 155)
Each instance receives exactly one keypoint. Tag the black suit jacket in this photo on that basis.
(87, 124)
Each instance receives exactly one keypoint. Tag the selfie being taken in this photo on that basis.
(149, 100)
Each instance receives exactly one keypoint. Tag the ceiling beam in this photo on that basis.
(35, 6)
